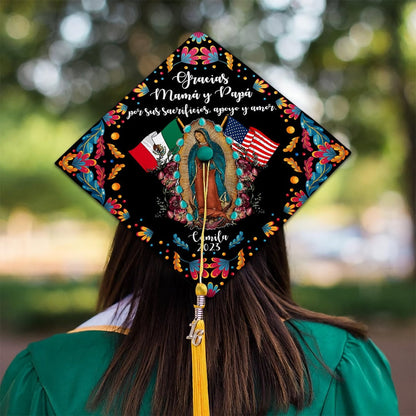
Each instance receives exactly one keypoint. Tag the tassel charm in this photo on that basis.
(199, 361)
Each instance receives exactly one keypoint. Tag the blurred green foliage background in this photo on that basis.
(64, 63)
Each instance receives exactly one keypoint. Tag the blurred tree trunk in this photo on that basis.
(410, 169)
(401, 81)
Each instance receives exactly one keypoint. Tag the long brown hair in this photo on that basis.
(254, 362)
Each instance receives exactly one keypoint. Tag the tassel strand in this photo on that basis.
(197, 334)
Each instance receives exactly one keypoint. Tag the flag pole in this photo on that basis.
(223, 122)
(180, 122)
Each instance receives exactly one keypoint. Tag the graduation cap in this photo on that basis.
(204, 161)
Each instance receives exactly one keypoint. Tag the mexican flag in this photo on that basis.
(156, 148)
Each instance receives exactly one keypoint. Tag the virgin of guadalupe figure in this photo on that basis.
(217, 195)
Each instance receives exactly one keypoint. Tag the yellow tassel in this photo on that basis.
(199, 372)
(197, 334)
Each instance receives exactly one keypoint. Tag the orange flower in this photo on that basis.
(259, 85)
(169, 62)
(64, 163)
(121, 108)
(269, 228)
(230, 60)
(342, 153)
(123, 215)
(289, 208)
(141, 89)
(241, 260)
(281, 102)
(177, 262)
(145, 234)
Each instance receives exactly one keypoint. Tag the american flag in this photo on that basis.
(250, 141)
(239, 134)
(261, 146)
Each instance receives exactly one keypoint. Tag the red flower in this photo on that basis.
(209, 56)
(112, 205)
(167, 175)
(110, 118)
(194, 268)
(189, 56)
(212, 290)
(221, 267)
(325, 153)
(82, 162)
(292, 111)
(174, 202)
(299, 198)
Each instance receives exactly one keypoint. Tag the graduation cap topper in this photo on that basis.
(203, 159)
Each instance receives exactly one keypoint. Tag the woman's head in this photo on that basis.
(254, 362)
(201, 136)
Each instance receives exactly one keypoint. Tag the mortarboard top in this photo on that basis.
(140, 160)
(204, 161)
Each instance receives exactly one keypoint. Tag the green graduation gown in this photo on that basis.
(56, 376)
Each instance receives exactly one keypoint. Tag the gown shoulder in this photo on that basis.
(350, 376)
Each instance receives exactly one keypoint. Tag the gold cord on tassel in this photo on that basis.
(197, 334)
